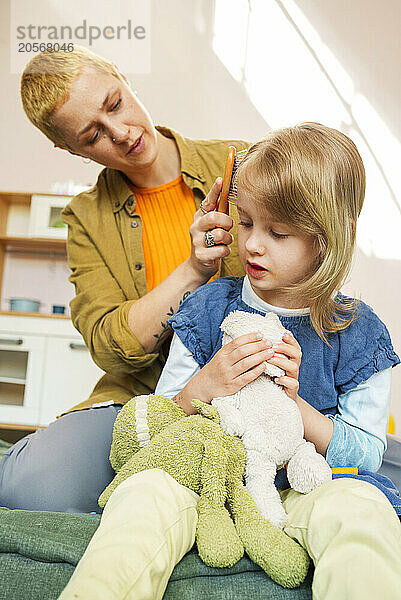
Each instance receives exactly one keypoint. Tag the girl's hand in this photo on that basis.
(205, 260)
(237, 363)
(290, 364)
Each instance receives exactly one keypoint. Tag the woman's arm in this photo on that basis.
(147, 317)
(123, 335)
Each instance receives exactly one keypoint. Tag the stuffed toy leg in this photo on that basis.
(152, 432)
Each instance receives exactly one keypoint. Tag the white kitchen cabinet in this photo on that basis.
(45, 369)
(21, 359)
(70, 376)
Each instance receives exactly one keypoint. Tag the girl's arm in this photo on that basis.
(235, 365)
(360, 426)
(179, 369)
(317, 427)
(356, 436)
(357, 433)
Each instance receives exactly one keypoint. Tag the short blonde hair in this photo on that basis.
(312, 177)
(46, 83)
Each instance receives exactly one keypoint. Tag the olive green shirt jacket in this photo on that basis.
(107, 265)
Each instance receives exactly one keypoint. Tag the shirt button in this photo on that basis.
(134, 224)
(138, 266)
(117, 204)
(130, 202)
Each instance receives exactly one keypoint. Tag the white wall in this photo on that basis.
(364, 35)
(190, 90)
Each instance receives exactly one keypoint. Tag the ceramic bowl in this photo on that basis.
(24, 305)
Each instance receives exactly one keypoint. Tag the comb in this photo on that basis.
(229, 188)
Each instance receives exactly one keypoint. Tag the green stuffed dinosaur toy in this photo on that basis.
(152, 432)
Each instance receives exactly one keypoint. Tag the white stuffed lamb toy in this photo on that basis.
(270, 426)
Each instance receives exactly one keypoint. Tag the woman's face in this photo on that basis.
(104, 121)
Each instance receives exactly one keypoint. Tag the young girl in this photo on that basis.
(300, 192)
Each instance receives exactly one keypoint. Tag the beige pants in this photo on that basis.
(348, 527)
(353, 535)
(146, 528)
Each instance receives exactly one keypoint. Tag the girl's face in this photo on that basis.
(274, 255)
(100, 109)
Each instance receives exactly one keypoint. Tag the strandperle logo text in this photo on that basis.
(84, 31)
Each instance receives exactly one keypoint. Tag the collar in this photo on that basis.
(251, 299)
(190, 164)
(190, 168)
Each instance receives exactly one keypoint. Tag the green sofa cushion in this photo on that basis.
(46, 536)
(39, 551)
(192, 580)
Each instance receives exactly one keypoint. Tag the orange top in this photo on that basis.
(167, 213)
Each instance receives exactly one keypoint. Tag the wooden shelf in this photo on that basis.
(16, 198)
(17, 313)
(14, 380)
(25, 197)
(20, 427)
(34, 244)
(14, 240)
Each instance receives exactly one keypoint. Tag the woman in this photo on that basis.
(151, 191)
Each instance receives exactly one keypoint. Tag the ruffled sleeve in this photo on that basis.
(365, 349)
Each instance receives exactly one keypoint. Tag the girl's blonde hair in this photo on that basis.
(46, 83)
(312, 177)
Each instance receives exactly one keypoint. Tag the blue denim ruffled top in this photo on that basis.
(354, 354)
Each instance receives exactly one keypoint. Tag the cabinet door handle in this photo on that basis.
(75, 346)
(12, 342)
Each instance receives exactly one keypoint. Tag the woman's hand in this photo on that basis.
(205, 260)
(290, 363)
(237, 363)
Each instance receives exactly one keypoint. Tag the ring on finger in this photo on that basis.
(209, 238)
